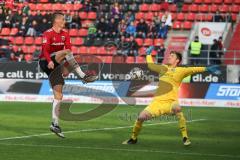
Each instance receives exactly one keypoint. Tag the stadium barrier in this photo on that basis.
(25, 82)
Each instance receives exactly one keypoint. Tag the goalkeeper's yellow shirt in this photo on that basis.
(170, 79)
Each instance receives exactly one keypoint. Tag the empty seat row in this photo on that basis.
(195, 8)
(182, 16)
(72, 32)
(52, 6)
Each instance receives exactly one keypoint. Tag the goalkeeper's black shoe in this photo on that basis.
(88, 78)
(130, 141)
(186, 141)
(57, 130)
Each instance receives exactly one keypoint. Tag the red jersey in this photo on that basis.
(53, 42)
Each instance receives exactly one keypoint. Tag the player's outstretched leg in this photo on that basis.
(85, 77)
(144, 115)
(72, 64)
(182, 125)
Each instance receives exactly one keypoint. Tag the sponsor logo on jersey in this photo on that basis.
(63, 38)
(44, 40)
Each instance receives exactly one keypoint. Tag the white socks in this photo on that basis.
(71, 60)
(55, 111)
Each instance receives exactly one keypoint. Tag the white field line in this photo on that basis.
(128, 150)
(93, 129)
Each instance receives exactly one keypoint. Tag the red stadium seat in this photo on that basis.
(19, 40)
(43, 1)
(83, 50)
(213, 8)
(130, 60)
(155, 7)
(5, 31)
(47, 7)
(144, 7)
(185, 8)
(200, 17)
(139, 15)
(93, 50)
(92, 15)
(38, 40)
(83, 15)
(160, 14)
(32, 6)
(209, 17)
(177, 25)
(228, 1)
(154, 52)
(203, 8)
(236, 1)
(193, 8)
(174, 15)
(73, 32)
(207, 1)
(198, 1)
(28, 57)
(234, 17)
(158, 42)
(218, 1)
(57, 7)
(77, 7)
(108, 59)
(173, 8)
(67, 6)
(235, 9)
(33, 13)
(39, 7)
(11, 39)
(191, 16)
(180, 16)
(83, 32)
(75, 50)
(223, 8)
(111, 50)
(118, 59)
(141, 59)
(142, 51)
(101, 50)
(78, 41)
(25, 49)
(31, 49)
(139, 41)
(149, 16)
(15, 48)
(148, 42)
(29, 40)
(187, 25)
(86, 23)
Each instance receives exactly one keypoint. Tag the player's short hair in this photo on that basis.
(178, 55)
(55, 15)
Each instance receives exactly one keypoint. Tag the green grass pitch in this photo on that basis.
(214, 132)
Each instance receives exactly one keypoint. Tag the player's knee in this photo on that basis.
(143, 117)
(67, 51)
(58, 96)
(177, 109)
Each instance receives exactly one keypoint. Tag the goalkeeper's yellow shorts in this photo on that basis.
(157, 107)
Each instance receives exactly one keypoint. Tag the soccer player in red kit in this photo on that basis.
(55, 60)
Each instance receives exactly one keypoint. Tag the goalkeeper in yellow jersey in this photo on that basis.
(165, 100)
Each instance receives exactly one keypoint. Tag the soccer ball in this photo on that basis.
(136, 73)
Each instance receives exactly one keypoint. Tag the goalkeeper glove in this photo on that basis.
(214, 69)
(149, 50)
